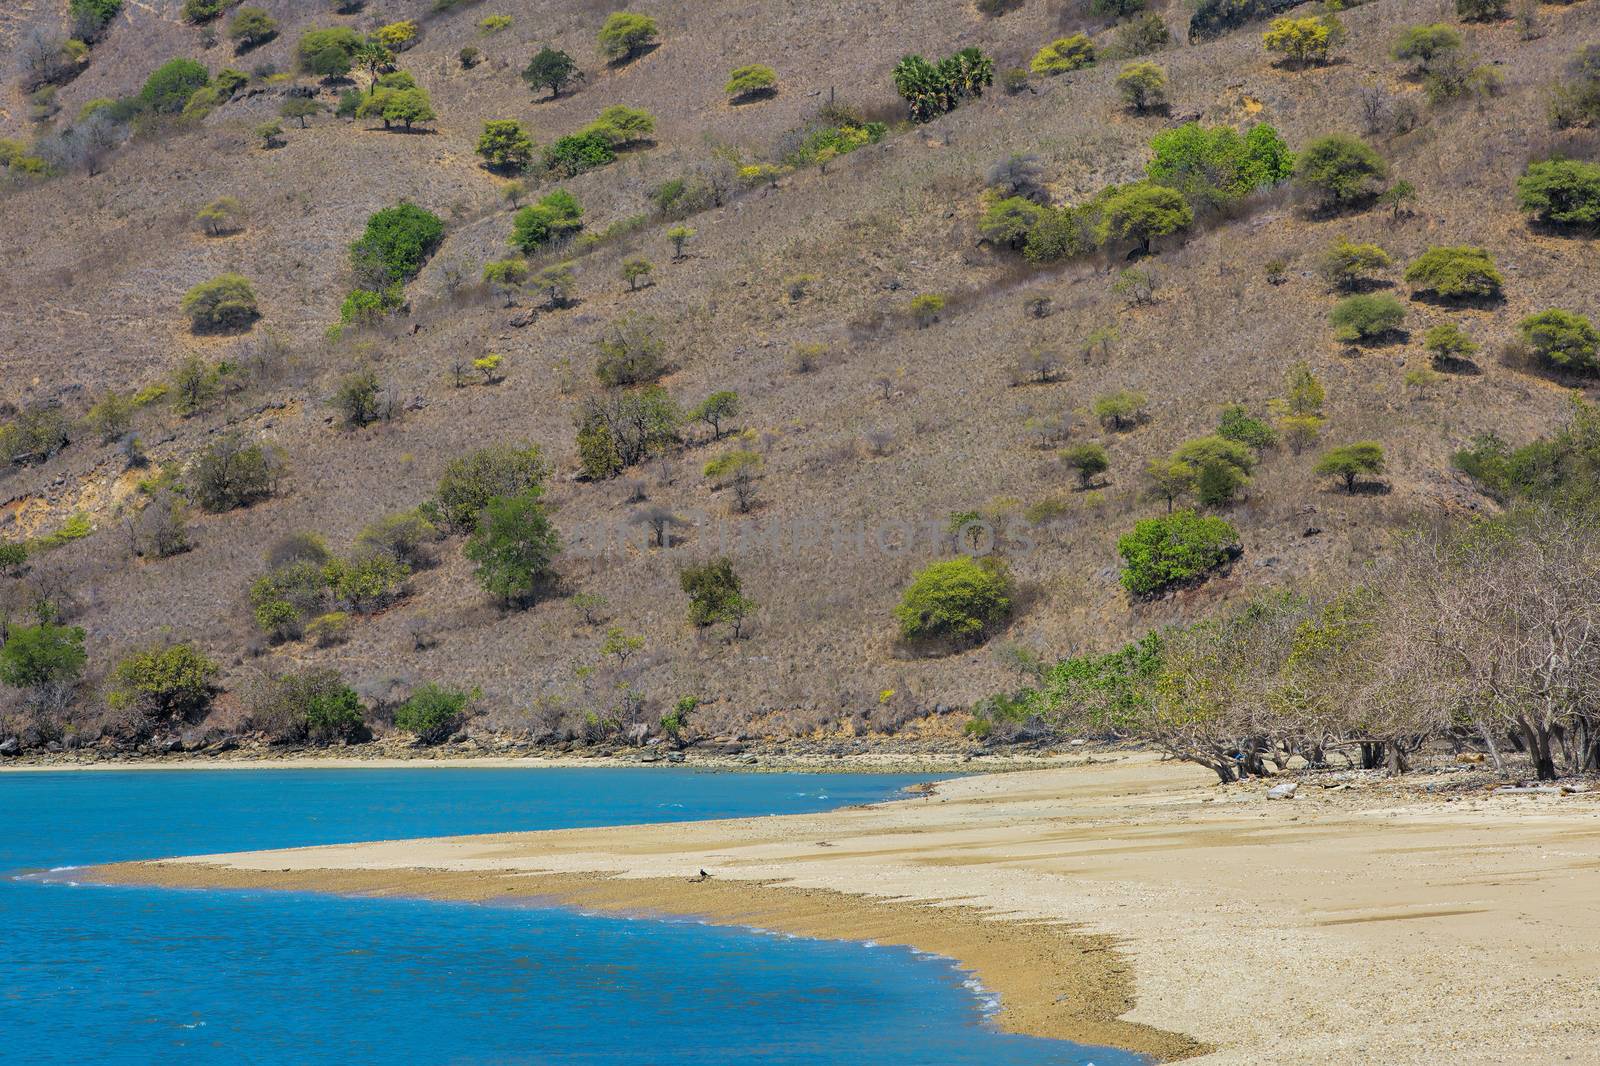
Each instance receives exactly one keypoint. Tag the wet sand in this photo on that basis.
(1130, 903)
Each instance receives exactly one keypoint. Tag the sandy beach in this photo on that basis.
(1131, 903)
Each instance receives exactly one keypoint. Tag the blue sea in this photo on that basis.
(111, 975)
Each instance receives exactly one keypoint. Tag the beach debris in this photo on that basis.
(1285, 791)
(1528, 790)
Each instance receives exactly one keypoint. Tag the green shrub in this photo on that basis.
(931, 90)
(1562, 339)
(1063, 55)
(622, 428)
(1116, 9)
(1481, 10)
(1237, 424)
(1454, 273)
(1213, 166)
(572, 155)
(1561, 192)
(397, 242)
(505, 145)
(1303, 41)
(555, 217)
(959, 600)
(300, 108)
(1421, 45)
(36, 433)
(1366, 319)
(1214, 467)
(1175, 549)
(91, 17)
(226, 303)
(367, 583)
(166, 682)
(1088, 461)
(38, 656)
(406, 106)
(327, 53)
(1577, 100)
(471, 481)
(626, 35)
(1121, 410)
(1010, 220)
(1340, 169)
(168, 89)
(552, 69)
(285, 596)
(622, 126)
(1447, 343)
(1348, 462)
(750, 82)
(1213, 18)
(232, 472)
(433, 713)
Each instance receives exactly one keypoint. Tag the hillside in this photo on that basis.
(863, 456)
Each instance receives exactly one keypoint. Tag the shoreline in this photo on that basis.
(1127, 902)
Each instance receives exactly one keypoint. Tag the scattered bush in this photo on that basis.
(46, 660)
(635, 269)
(1063, 55)
(314, 705)
(91, 17)
(1122, 410)
(751, 83)
(1577, 100)
(397, 36)
(679, 236)
(623, 428)
(631, 353)
(160, 529)
(199, 11)
(168, 89)
(471, 481)
(233, 472)
(572, 155)
(251, 27)
(300, 108)
(1447, 344)
(1350, 461)
(1140, 36)
(1142, 212)
(224, 215)
(1346, 265)
(165, 682)
(226, 303)
(405, 536)
(1366, 319)
(1303, 41)
(960, 600)
(1562, 192)
(1340, 169)
(1562, 339)
(1143, 87)
(358, 398)
(1422, 45)
(1175, 549)
(327, 53)
(1215, 468)
(1214, 166)
(36, 433)
(1087, 460)
(367, 583)
(1454, 273)
(1481, 10)
(627, 35)
(396, 243)
(1236, 424)
(714, 592)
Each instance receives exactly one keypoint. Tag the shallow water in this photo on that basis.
(93, 974)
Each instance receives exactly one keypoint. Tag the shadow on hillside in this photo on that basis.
(637, 54)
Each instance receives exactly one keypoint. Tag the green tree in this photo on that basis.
(224, 215)
(1087, 460)
(716, 409)
(505, 145)
(553, 69)
(631, 353)
(1236, 424)
(433, 713)
(195, 383)
(165, 682)
(625, 427)
(471, 481)
(573, 155)
(1143, 87)
(1305, 393)
(300, 108)
(327, 53)
(506, 276)
(1447, 343)
(1366, 319)
(1169, 479)
(1481, 10)
(626, 35)
(251, 27)
(555, 217)
(1454, 273)
(713, 589)
(1346, 265)
(1121, 410)
(751, 82)
(1142, 212)
(514, 547)
(358, 397)
(1348, 462)
(1562, 339)
(1562, 192)
(635, 269)
(168, 89)
(960, 600)
(1176, 549)
(232, 472)
(679, 236)
(1213, 165)
(1339, 169)
(91, 17)
(1303, 41)
(226, 303)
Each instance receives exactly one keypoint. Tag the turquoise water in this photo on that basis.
(95, 974)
